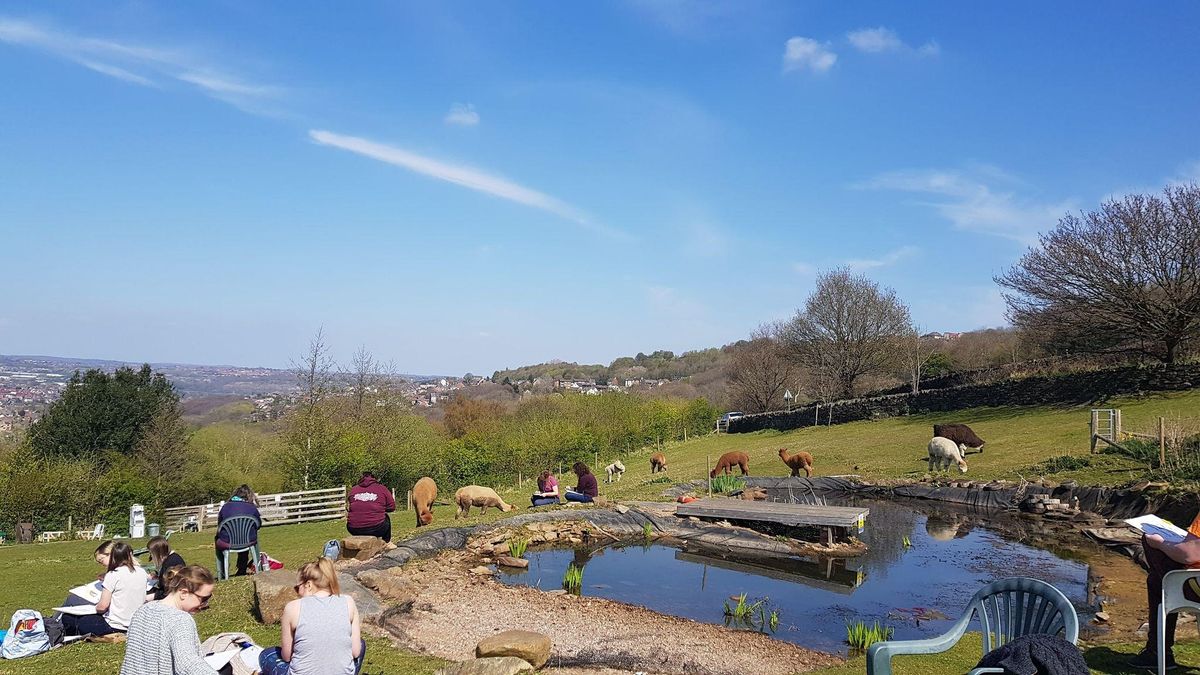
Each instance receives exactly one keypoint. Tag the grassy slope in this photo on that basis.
(37, 576)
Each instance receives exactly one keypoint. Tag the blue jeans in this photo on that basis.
(89, 624)
(269, 662)
(543, 501)
(578, 497)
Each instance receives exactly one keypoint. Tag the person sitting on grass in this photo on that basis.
(123, 591)
(321, 633)
(102, 553)
(547, 492)
(587, 490)
(1162, 557)
(242, 503)
(162, 636)
(164, 559)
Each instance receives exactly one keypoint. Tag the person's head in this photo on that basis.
(120, 555)
(580, 469)
(244, 493)
(543, 478)
(367, 477)
(102, 553)
(316, 576)
(159, 549)
(190, 587)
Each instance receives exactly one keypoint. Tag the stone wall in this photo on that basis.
(1069, 388)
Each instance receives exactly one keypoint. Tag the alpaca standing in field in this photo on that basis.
(658, 462)
(423, 494)
(616, 469)
(943, 452)
(797, 462)
(477, 495)
(729, 460)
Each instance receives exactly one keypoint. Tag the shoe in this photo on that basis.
(1148, 659)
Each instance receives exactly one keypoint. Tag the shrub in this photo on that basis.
(860, 636)
(1062, 463)
(723, 484)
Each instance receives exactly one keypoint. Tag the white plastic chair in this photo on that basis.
(1173, 600)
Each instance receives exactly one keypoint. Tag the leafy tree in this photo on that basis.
(99, 412)
(463, 415)
(1121, 279)
(164, 456)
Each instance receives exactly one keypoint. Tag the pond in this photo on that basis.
(919, 589)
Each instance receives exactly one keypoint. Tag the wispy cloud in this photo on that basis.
(466, 176)
(801, 53)
(887, 259)
(462, 114)
(804, 269)
(882, 40)
(971, 204)
(142, 65)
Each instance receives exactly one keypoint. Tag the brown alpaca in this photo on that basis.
(423, 494)
(729, 460)
(477, 495)
(658, 462)
(797, 461)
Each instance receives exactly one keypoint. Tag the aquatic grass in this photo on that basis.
(722, 484)
(907, 542)
(573, 579)
(647, 531)
(756, 615)
(517, 546)
(860, 636)
(743, 609)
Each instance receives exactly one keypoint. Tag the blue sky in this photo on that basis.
(465, 186)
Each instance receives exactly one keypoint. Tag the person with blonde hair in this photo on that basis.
(321, 632)
(162, 637)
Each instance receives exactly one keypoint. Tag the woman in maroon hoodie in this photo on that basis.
(588, 489)
(370, 504)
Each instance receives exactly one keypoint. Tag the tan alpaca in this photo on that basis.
(658, 462)
(423, 494)
(477, 495)
(797, 461)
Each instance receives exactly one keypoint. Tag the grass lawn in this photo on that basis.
(38, 576)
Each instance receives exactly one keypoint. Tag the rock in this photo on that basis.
(551, 536)
(621, 508)
(273, 590)
(388, 586)
(361, 547)
(1102, 617)
(754, 494)
(368, 605)
(482, 570)
(509, 561)
(504, 665)
(528, 645)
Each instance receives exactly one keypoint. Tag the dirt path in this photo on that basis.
(454, 610)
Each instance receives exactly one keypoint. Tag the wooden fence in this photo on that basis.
(284, 508)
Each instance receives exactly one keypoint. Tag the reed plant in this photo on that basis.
(517, 546)
(860, 636)
(724, 483)
(573, 579)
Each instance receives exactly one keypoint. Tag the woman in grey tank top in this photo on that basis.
(321, 632)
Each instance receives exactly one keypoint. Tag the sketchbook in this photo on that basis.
(1152, 524)
(90, 592)
(217, 661)
(77, 610)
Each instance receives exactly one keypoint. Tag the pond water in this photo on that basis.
(919, 590)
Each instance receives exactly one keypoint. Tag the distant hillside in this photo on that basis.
(659, 365)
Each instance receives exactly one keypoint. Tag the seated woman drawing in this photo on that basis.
(547, 492)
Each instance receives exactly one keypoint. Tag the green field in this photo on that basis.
(37, 576)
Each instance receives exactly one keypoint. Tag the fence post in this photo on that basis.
(1092, 431)
(201, 513)
(708, 472)
(1162, 441)
(407, 500)
(817, 415)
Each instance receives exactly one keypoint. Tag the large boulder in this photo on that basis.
(503, 665)
(273, 590)
(368, 605)
(524, 644)
(388, 586)
(361, 547)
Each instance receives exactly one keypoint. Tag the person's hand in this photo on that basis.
(1155, 540)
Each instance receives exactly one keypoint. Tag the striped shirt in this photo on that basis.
(162, 640)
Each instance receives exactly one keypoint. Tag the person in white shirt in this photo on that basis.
(123, 591)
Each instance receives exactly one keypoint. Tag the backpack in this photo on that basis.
(26, 635)
(333, 549)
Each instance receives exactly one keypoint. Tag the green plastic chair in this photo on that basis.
(1007, 609)
(243, 536)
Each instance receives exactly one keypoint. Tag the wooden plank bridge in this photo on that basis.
(834, 520)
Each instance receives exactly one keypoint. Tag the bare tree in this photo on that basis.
(850, 327)
(759, 373)
(369, 379)
(1124, 278)
(315, 375)
(917, 351)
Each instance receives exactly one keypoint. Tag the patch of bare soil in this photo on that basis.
(455, 609)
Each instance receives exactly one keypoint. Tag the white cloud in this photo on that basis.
(141, 65)
(881, 40)
(802, 53)
(804, 269)
(885, 260)
(462, 114)
(466, 176)
(972, 205)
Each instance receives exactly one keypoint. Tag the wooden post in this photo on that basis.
(829, 423)
(1092, 430)
(708, 472)
(70, 530)
(1117, 425)
(1162, 441)
(408, 500)
(200, 514)
(817, 415)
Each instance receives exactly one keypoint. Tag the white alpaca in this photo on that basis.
(615, 469)
(943, 452)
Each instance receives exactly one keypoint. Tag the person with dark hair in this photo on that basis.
(588, 489)
(547, 492)
(162, 635)
(370, 504)
(321, 633)
(242, 503)
(123, 591)
(164, 559)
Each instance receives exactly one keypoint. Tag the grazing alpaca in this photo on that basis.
(658, 462)
(615, 469)
(797, 462)
(477, 495)
(729, 460)
(961, 434)
(943, 452)
(423, 494)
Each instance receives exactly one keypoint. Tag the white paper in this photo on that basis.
(77, 610)
(218, 660)
(1152, 524)
(90, 592)
(250, 656)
